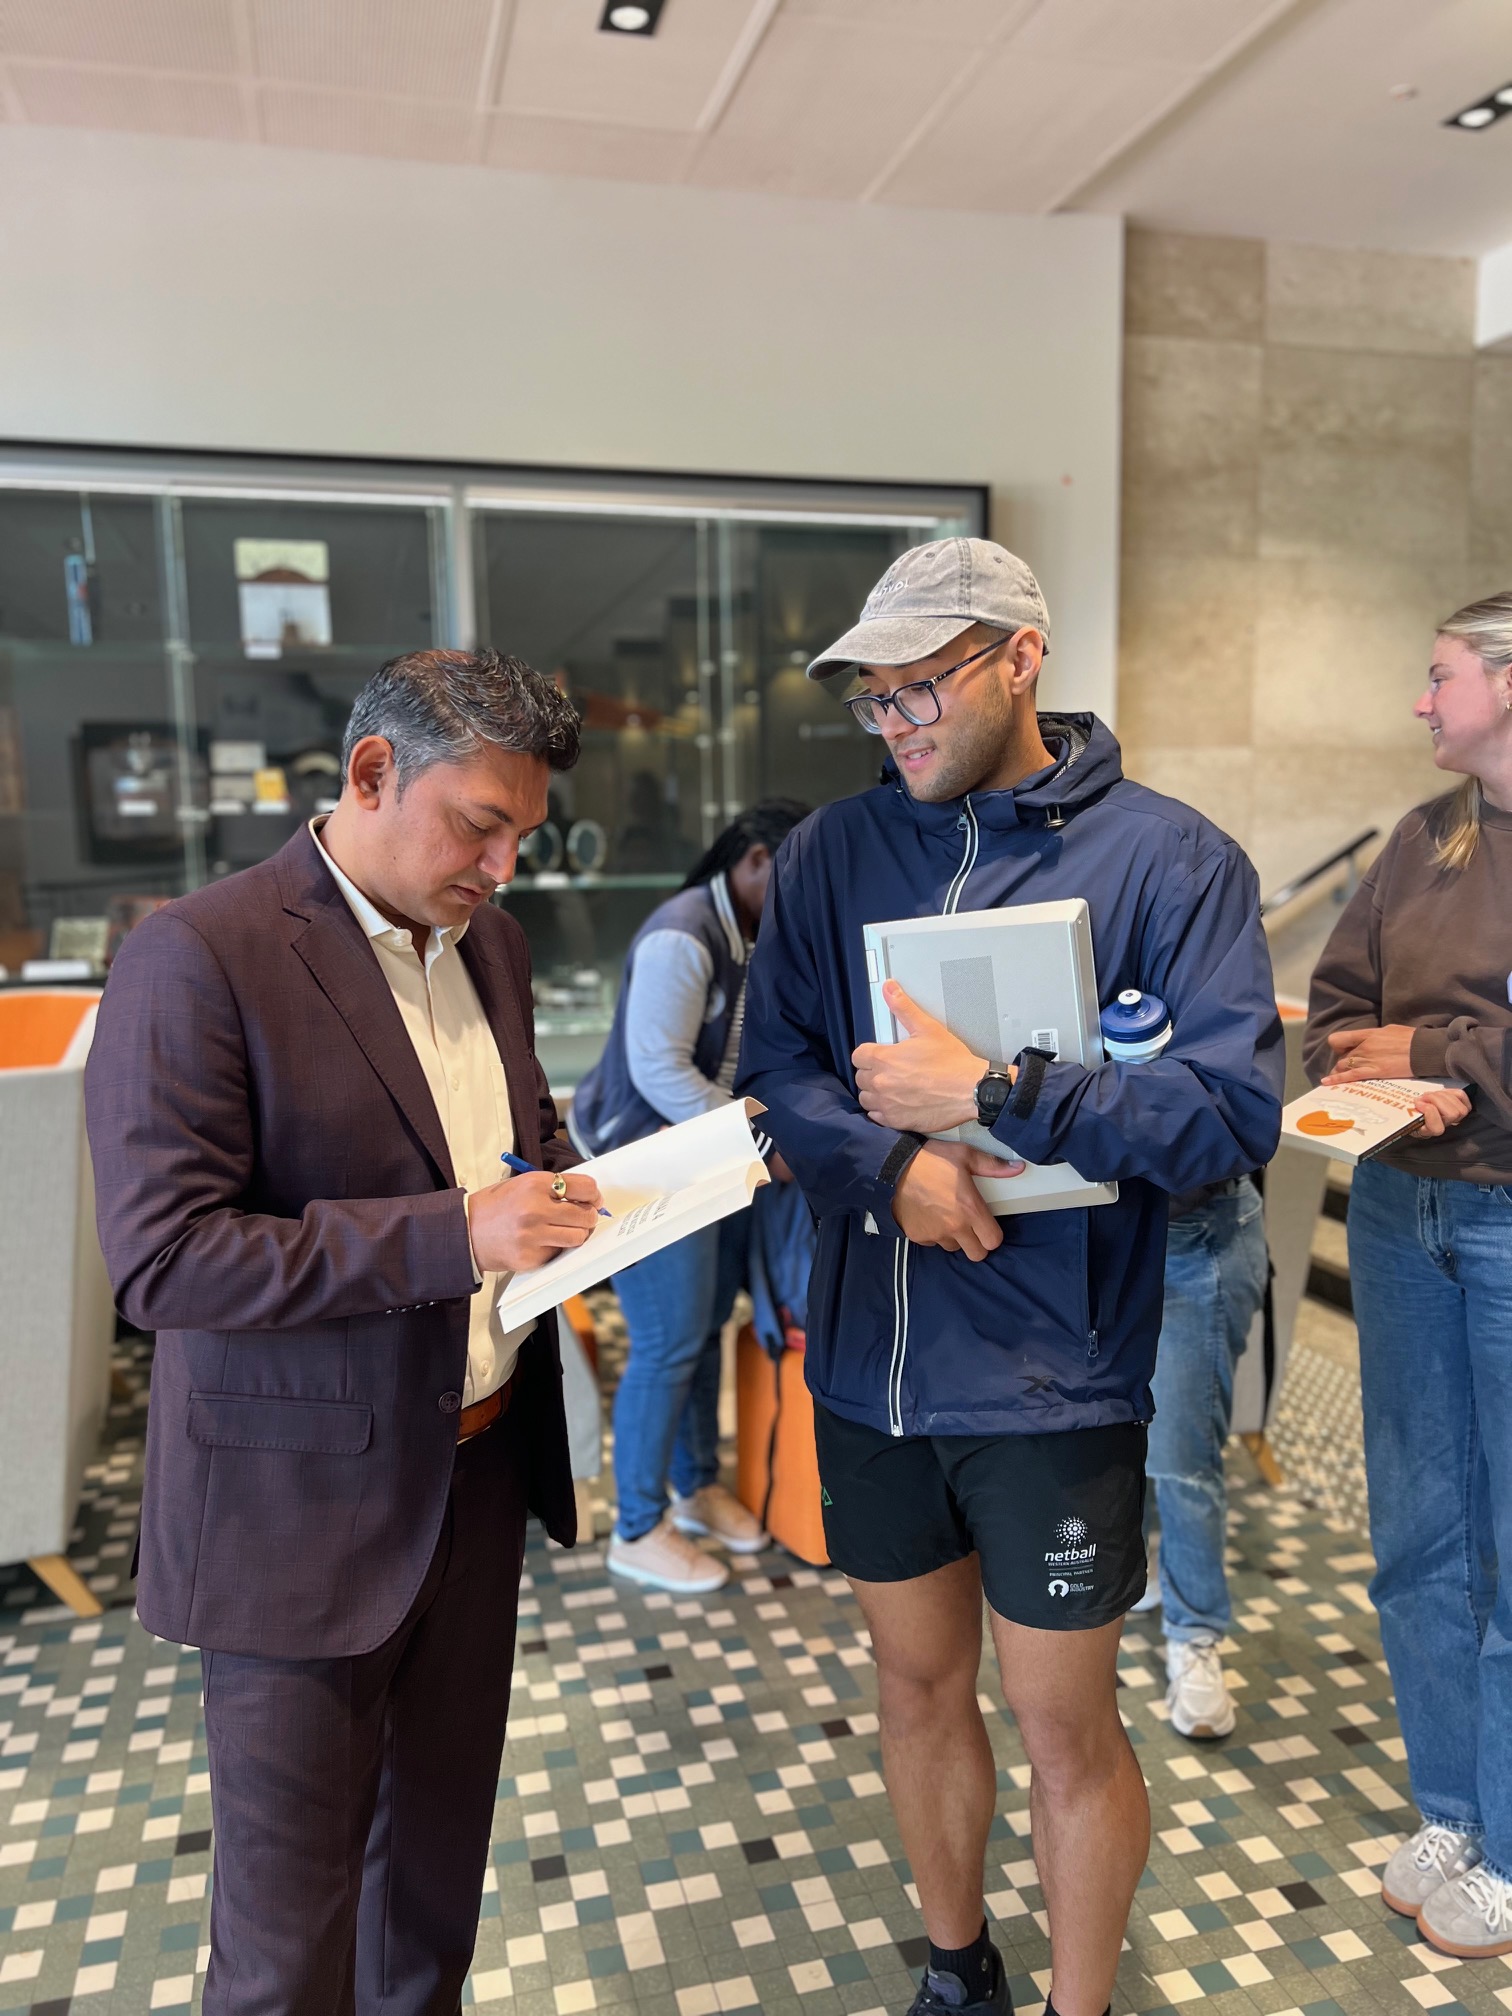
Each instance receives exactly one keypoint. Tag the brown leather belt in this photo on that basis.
(483, 1413)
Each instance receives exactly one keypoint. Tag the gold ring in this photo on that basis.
(559, 1187)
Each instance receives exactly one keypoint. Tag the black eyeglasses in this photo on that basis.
(917, 703)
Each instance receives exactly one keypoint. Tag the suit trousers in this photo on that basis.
(353, 1798)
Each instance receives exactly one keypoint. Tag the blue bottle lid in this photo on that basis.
(1134, 1017)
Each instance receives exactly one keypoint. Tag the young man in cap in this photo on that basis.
(983, 1384)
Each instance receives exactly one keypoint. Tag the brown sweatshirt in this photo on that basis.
(1432, 947)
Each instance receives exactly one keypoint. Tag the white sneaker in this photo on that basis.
(1433, 1857)
(666, 1559)
(1470, 1916)
(1198, 1695)
(719, 1515)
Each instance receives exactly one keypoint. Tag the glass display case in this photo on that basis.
(181, 639)
(86, 719)
(266, 712)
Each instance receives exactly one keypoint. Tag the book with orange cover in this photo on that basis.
(1350, 1123)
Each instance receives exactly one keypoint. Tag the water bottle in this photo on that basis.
(1135, 1027)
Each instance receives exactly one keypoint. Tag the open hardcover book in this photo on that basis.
(656, 1190)
(1350, 1123)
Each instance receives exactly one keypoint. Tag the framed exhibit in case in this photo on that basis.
(138, 790)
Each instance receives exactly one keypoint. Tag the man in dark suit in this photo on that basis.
(301, 1083)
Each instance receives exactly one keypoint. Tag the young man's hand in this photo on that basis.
(937, 1204)
(924, 1085)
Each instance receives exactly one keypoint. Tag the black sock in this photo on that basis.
(971, 1965)
(1051, 2010)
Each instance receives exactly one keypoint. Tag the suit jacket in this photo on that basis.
(276, 1201)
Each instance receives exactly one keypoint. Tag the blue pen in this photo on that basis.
(523, 1168)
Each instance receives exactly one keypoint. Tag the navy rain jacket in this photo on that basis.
(1057, 1328)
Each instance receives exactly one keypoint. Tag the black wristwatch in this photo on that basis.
(993, 1088)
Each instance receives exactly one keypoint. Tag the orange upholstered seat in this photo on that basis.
(38, 1028)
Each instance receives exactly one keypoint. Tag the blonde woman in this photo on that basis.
(1416, 981)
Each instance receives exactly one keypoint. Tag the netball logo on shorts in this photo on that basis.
(1072, 1549)
(1070, 1558)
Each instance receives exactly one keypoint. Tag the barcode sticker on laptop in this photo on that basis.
(1045, 1039)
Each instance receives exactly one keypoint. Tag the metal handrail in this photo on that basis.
(1289, 891)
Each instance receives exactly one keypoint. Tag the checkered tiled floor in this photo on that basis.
(1317, 1437)
(693, 1819)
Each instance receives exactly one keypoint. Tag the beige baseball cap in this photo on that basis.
(931, 594)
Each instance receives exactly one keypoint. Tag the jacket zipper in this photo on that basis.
(953, 894)
(900, 1338)
(1094, 1342)
(900, 1262)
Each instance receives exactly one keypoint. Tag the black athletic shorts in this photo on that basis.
(1058, 1520)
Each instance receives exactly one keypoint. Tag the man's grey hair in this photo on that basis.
(445, 706)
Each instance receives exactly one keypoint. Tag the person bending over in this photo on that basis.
(301, 1084)
(983, 1385)
(671, 1056)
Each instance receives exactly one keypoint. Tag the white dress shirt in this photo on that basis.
(444, 1020)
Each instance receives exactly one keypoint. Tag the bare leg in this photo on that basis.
(941, 1779)
(1087, 1801)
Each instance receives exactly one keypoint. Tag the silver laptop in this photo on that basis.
(1003, 981)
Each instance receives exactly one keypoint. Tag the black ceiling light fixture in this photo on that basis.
(1484, 112)
(620, 17)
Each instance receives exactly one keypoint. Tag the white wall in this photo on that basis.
(187, 293)
(1493, 300)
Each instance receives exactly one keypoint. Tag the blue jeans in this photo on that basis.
(666, 1412)
(1215, 1273)
(1431, 1267)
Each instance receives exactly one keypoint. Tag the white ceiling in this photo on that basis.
(1307, 141)
(1268, 118)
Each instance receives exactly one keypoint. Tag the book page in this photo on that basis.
(655, 1191)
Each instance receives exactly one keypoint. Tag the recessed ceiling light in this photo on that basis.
(1484, 112)
(621, 18)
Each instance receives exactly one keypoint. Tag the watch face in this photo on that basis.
(991, 1098)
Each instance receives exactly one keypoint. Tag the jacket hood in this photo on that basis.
(1087, 764)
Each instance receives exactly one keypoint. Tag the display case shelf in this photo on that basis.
(595, 1022)
(549, 884)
